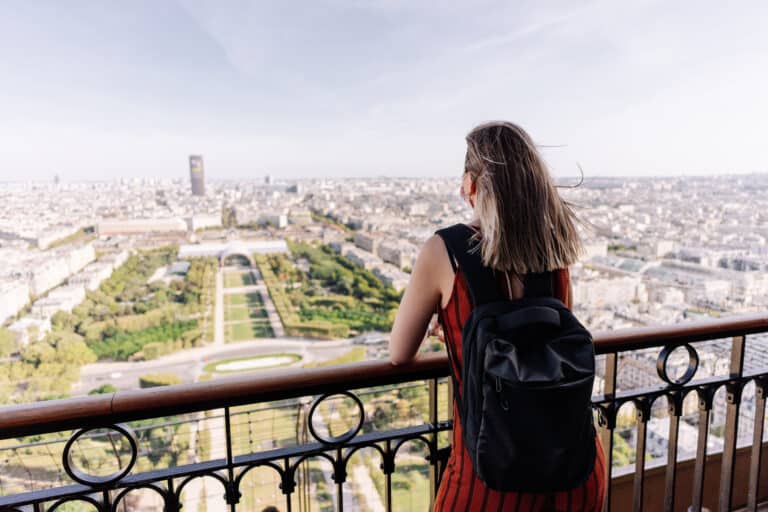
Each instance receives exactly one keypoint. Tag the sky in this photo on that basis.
(94, 90)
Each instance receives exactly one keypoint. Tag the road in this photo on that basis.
(188, 363)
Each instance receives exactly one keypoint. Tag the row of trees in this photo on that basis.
(292, 323)
(338, 291)
(125, 344)
(126, 317)
(47, 369)
(127, 313)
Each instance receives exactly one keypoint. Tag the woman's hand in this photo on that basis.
(435, 329)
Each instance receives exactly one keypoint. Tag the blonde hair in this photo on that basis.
(524, 224)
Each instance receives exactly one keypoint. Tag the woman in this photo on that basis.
(521, 225)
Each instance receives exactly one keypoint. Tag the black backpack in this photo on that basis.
(527, 371)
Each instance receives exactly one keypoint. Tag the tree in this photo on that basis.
(38, 353)
(7, 342)
(72, 350)
(61, 320)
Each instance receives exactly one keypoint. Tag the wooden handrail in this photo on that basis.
(607, 342)
(100, 410)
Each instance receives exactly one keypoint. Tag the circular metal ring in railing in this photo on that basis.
(343, 438)
(84, 478)
(690, 371)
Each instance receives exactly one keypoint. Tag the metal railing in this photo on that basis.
(121, 416)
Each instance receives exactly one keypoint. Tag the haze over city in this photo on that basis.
(100, 91)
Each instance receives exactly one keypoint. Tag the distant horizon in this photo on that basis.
(260, 178)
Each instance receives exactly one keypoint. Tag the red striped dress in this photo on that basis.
(460, 489)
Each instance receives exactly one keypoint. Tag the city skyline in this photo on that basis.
(345, 88)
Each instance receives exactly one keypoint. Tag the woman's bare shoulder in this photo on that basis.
(434, 256)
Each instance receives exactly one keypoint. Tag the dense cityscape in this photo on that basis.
(110, 286)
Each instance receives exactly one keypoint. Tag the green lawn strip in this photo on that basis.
(243, 299)
(211, 367)
(247, 330)
(355, 354)
(234, 299)
(237, 279)
(234, 313)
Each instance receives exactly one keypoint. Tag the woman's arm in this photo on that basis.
(419, 302)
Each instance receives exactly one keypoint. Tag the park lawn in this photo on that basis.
(242, 299)
(211, 367)
(248, 330)
(241, 313)
(234, 299)
(236, 279)
(355, 354)
(235, 313)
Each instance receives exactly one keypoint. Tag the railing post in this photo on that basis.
(106, 502)
(733, 399)
(675, 408)
(706, 394)
(232, 496)
(388, 467)
(761, 388)
(340, 476)
(609, 423)
(433, 462)
(172, 500)
(643, 412)
(288, 483)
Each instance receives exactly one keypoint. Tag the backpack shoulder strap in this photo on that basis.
(466, 253)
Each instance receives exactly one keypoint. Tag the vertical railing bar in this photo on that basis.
(606, 434)
(433, 406)
(433, 417)
(287, 467)
(674, 429)
(340, 481)
(737, 356)
(705, 405)
(230, 466)
(642, 423)
(388, 477)
(171, 500)
(106, 506)
(757, 445)
(733, 399)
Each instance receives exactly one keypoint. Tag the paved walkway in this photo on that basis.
(200, 490)
(210, 352)
(218, 315)
(206, 490)
(269, 306)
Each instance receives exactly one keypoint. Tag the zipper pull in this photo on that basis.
(498, 384)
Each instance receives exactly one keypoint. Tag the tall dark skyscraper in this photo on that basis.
(197, 175)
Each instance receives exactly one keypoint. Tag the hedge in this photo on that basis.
(154, 380)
